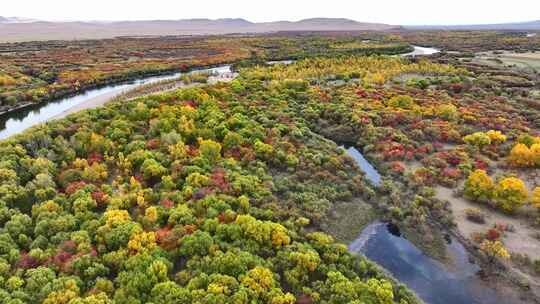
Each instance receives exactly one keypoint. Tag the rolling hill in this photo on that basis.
(42, 30)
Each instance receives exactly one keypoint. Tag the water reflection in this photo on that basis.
(434, 282)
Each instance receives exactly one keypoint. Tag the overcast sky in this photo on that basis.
(384, 11)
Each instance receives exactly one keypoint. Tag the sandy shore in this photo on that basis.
(100, 100)
(90, 103)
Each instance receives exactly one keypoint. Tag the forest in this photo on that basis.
(239, 192)
(36, 72)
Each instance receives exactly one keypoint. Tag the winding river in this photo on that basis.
(20, 120)
(434, 282)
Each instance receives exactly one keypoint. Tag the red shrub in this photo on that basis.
(234, 152)
(361, 93)
(451, 173)
(394, 151)
(189, 229)
(190, 103)
(94, 157)
(479, 164)
(397, 167)
(69, 246)
(166, 238)
(183, 67)
(425, 149)
(74, 187)
(456, 87)
(27, 262)
(193, 151)
(304, 299)
(153, 144)
(218, 180)
(453, 160)
(167, 203)
(138, 177)
(493, 234)
(100, 197)
(62, 258)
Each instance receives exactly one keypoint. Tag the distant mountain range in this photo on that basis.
(41, 30)
(519, 26)
(24, 29)
(16, 20)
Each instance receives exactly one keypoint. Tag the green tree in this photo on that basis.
(152, 169)
(402, 102)
(210, 149)
(477, 139)
(170, 292)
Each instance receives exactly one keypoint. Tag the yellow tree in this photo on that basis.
(447, 111)
(535, 154)
(477, 139)
(210, 149)
(142, 241)
(510, 194)
(521, 156)
(496, 136)
(479, 186)
(535, 199)
(401, 101)
(494, 250)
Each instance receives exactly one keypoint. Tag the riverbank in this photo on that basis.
(36, 114)
(112, 81)
(455, 281)
(134, 93)
(89, 104)
(6, 110)
(519, 240)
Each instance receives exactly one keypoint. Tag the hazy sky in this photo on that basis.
(384, 11)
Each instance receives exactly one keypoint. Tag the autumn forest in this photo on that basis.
(239, 190)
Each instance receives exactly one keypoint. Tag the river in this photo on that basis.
(420, 51)
(434, 282)
(371, 173)
(20, 120)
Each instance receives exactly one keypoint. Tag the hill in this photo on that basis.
(42, 30)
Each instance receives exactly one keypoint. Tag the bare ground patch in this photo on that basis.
(522, 240)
